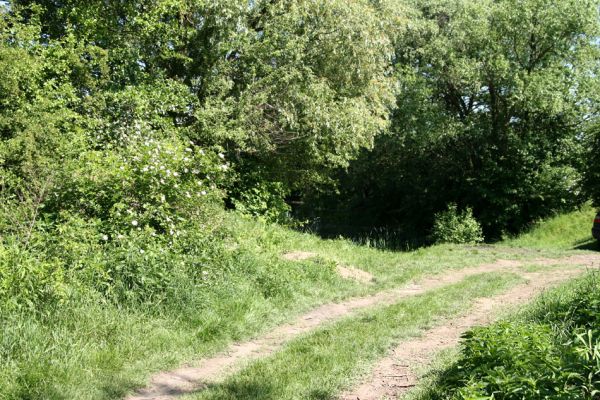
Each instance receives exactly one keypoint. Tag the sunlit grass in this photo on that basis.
(567, 231)
(319, 365)
(90, 349)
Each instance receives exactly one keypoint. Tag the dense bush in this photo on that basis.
(452, 226)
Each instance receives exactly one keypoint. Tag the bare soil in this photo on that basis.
(299, 255)
(354, 274)
(344, 271)
(193, 378)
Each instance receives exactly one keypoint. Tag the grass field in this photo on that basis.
(92, 349)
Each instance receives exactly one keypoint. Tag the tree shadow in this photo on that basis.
(589, 244)
(240, 389)
(115, 387)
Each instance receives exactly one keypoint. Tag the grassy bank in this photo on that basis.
(567, 231)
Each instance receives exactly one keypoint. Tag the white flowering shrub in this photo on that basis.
(144, 182)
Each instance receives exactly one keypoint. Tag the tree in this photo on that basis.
(291, 90)
(495, 96)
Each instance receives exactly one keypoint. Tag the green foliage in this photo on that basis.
(126, 126)
(551, 352)
(451, 226)
(27, 280)
(294, 89)
(146, 182)
(494, 99)
(265, 200)
(592, 172)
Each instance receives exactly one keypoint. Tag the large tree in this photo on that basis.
(290, 89)
(495, 97)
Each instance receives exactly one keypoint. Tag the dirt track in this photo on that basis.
(393, 376)
(189, 379)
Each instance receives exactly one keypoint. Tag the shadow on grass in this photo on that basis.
(589, 244)
(115, 387)
(239, 390)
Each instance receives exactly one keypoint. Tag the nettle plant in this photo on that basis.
(143, 181)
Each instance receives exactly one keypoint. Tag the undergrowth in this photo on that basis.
(91, 317)
(551, 350)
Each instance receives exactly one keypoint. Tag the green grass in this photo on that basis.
(89, 348)
(319, 365)
(567, 231)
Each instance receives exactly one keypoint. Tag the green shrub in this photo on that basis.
(265, 200)
(451, 226)
(513, 361)
(144, 182)
(28, 280)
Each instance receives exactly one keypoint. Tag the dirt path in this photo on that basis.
(189, 379)
(393, 376)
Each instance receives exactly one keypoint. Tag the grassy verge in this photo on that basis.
(549, 350)
(318, 365)
(91, 348)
